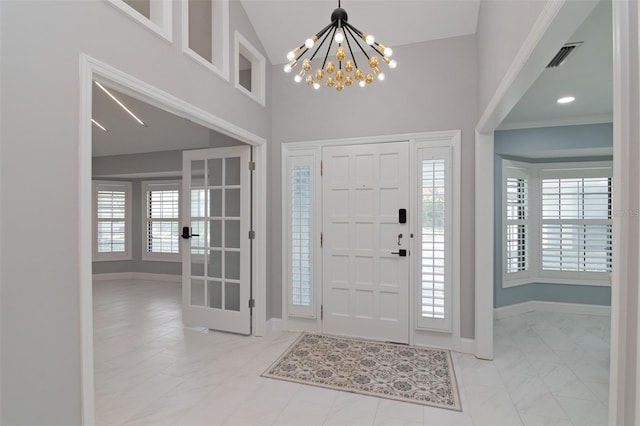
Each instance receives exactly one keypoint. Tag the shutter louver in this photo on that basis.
(163, 207)
(517, 225)
(576, 224)
(433, 238)
(301, 235)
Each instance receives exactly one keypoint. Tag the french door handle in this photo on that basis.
(186, 233)
(401, 252)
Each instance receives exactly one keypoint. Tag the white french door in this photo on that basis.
(216, 273)
(366, 241)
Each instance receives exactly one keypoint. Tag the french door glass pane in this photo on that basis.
(215, 294)
(197, 292)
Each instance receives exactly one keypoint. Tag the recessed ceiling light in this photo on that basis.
(566, 100)
(98, 124)
(120, 103)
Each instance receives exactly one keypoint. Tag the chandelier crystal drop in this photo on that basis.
(345, 71)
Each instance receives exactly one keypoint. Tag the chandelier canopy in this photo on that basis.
(346, 72)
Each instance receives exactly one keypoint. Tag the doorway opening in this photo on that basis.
(138, 91)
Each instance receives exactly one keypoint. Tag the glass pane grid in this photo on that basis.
(433, 253)
(301, 235)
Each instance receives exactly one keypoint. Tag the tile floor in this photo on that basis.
(549, 369)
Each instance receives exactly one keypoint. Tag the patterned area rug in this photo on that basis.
(386, 370)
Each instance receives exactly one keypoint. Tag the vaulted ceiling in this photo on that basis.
(283, 24)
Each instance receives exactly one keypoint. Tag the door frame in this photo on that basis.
(452, 340)
(92, 69)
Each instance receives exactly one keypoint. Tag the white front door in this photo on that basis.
(216, 273)
(366, 241)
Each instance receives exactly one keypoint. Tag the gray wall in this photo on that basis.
(41, 43)
(523, 143)
(433, 88)
(503, 25)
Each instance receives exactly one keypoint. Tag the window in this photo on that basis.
(205, 33)
(161, 221)
(435, 269)
(249, 69)
(112, 224)
(576, 224)
(517, 226)
(299, 206)
(570, 207)
(153, 14)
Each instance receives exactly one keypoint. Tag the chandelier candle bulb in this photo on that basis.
(369, 38)
(298, 78)
(339, 37)
(310, 42)
(361, 84)
(316, 86)
(290, 66)
(292, 55)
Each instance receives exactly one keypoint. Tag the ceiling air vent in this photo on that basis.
(563, 54)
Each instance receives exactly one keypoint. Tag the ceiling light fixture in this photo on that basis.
(120, 103)
(98, 124)
(566, 100)
(346, 72)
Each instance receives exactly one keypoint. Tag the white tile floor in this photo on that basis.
(549, 369)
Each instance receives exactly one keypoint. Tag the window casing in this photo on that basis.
(569, 238)
(205, 34)
(250, 79)
(161, 220)
(112, 221)
(155, 15)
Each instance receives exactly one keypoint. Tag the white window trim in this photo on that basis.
(258, 68)
(522, 170)
(447, 152)
(220, 34)
(159, 185)
(159, 21)
(307, 157)
(536, 172)
(110, 257)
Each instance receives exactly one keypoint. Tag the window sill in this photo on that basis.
(104, 258)
(604, 282)
(162, 258)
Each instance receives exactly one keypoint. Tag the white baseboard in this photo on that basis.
(564, 308)
(113, 276)
(157, 277)
(464, 345)
(274, 325)
(137, 276)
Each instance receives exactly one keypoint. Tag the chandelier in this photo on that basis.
(346, 72)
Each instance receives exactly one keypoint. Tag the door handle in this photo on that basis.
(401, 252)
(186, 233)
